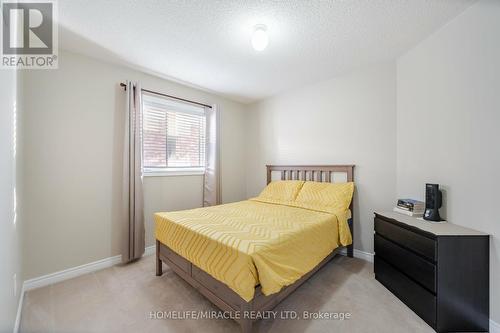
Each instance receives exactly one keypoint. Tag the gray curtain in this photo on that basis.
(212, 190)
(133, 200)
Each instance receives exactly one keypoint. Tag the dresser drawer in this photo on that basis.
(419, 269)
(417, 298)
(407, 238)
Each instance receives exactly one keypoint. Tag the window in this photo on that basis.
(173, 136)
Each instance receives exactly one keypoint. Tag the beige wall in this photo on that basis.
(170, 193)
(10, 216)
(348, 119)
(74, 118)
(448, 124)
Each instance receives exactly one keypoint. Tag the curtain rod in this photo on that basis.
(169, 96)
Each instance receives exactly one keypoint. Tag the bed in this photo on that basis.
(246, 257)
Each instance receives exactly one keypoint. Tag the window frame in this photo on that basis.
(166, 172)
(170, 171)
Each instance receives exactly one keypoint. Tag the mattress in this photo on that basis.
(247, 243)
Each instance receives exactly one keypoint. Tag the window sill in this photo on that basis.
(174, 172)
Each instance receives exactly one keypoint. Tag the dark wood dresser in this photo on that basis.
(439, 270)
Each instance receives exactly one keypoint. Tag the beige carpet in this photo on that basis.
(120, 299)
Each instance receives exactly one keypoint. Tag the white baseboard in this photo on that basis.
(359, 254)
(70, 273)
(149, 250)
(494, 327)
(19, 310)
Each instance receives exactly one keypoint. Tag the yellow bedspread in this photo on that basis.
(246, 243)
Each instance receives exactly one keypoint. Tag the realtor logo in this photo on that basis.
(29, 34)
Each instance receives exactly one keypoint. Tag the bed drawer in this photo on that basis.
(212, 284)
(178, 260)
(417, 243)
(416, 297)
(407, 262)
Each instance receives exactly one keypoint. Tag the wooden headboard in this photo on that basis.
(317, 173)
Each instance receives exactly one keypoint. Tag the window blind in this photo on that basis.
(173, 134)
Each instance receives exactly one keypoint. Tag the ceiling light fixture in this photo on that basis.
(259, 37)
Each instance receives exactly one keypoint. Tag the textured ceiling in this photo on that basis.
(207, 43)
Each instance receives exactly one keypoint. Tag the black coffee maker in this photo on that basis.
(433, 201)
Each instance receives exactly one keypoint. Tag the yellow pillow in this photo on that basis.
(331, 198)
(281, 191)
